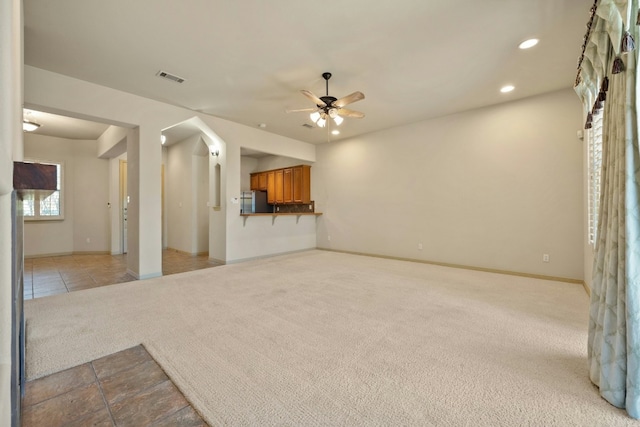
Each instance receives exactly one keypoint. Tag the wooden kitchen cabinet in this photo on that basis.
(279, 184)
(302, 184)
(259, 181)
(287, 186)
(271, 187)
(262, 181)
(284, 186)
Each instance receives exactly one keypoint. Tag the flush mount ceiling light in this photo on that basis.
(507, 88)
(29, 126)
(528, 43)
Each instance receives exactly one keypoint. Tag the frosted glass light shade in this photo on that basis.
(29, 126)
(314, 116)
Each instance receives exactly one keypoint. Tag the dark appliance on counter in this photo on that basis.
(254, 202)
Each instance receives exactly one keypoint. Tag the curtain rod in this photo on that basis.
(586, 40)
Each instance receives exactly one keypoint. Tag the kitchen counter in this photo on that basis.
(282, 214)
(274, 215)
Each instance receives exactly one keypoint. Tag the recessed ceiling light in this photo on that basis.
(506, 89)
(528, 43)
(335, 132)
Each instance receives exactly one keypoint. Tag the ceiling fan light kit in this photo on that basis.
(330, 107)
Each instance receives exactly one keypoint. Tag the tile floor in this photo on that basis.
(60, 274)
(124, 389)
(127, 388)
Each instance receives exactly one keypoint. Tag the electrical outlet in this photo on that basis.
(329, 238)
(420, 246)
(545, 257)
(88, 240)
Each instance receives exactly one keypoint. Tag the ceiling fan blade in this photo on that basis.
(319, 102)
(349, 99)
(350, 113)
(302, 110)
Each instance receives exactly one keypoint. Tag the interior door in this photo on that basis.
(124, 202)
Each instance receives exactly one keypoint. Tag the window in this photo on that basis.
(595, 170)
(49, 208)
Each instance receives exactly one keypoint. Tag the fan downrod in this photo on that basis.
(326, 76)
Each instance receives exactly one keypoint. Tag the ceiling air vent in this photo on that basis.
(169, 76)
(307, 125)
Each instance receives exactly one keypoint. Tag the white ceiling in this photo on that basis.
(64, 127)
(247, 60)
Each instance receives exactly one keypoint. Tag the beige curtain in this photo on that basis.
(614, 323)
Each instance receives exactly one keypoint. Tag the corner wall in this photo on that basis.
(494, 188)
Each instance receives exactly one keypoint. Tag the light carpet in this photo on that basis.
(325, 338)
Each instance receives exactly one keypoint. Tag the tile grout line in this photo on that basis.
(54, 396)
(104, 398)
(177, 410)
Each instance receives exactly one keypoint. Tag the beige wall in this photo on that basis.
(86, 198)
(179, 195)
(279, 162)
(494, 188)
(200, 176)
(187, 195)
(248, 165)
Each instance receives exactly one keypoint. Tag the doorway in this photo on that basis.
(124, 201)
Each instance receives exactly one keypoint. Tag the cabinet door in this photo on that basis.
(279, 184)
(271, 187)
(262, 181)
(288, 185)
(302, 184)
(255, 182)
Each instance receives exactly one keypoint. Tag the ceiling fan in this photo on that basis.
(329, 107)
